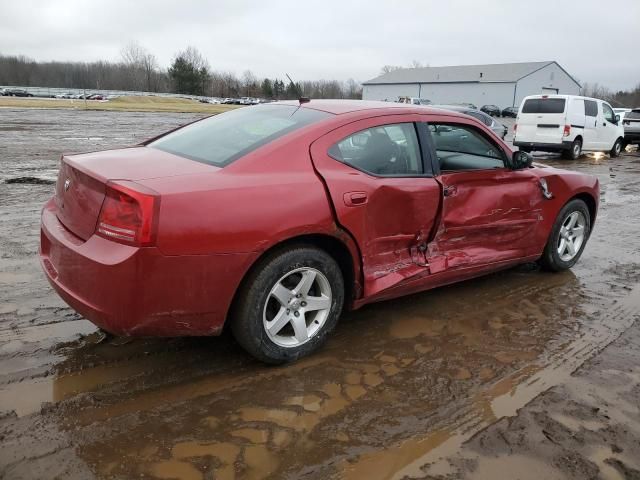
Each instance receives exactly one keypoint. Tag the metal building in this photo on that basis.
(503, 84)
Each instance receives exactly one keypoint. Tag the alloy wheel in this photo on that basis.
(572, 234)
(297, 307)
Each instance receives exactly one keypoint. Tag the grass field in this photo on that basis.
(125, 104)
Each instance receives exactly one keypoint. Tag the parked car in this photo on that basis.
(67, 95)
(568, 124)
(492, 110)
(468, 105)
(17, 92)
(96, 96)
(631, 125)
(621, 112)
(498, 128)
(414, 101)
(193, 228)
(510, 112)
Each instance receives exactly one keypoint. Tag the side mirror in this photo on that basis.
(520, 160)
(617, 117)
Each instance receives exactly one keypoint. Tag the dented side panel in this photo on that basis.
(395, 219)
(488, 216)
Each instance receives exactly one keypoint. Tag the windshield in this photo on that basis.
(223, 138)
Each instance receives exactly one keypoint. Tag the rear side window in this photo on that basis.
(223, 138)
(544, 105)
(387, 150)
(590, 108)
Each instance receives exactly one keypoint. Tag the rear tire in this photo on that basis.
(575, 152)
(573, 225)
(617, 149)
(274, 318)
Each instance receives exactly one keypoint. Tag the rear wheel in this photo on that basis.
(575, 151)
(568, 237)
(617, 149)
(289, 304)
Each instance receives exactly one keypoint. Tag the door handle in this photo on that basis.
(604, 124)
(450, 191)
(354, 199)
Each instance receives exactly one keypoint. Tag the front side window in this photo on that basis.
(223, 138)
(386, 150)
(462, 147)
(607, 111)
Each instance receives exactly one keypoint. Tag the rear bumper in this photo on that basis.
(545, 147)
(139, 291)
(632, 137)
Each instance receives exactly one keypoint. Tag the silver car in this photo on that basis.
(631, 124)
(498, 128)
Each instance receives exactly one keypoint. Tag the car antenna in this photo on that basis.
(301, 99)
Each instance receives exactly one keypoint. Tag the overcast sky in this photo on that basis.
(594, 40)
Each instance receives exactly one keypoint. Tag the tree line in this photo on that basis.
(621, 98)
(189, 73)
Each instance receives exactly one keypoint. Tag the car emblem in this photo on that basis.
(67, 184)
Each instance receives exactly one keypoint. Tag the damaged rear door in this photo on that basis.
(383, 193)
(490, 213)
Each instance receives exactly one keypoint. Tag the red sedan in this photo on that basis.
(274, 218)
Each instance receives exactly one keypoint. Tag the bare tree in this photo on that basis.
(249, 83)
(141, 66)
(389, 68)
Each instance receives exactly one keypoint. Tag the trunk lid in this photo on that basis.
(81, 185)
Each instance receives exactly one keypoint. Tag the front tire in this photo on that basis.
(288, 305)
(617, 149)
(568, 237)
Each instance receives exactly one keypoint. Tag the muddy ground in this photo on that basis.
(520, 374)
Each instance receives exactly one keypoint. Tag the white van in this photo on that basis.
(568, 124)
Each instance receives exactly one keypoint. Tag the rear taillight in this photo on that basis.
(129, 214)
(567, 131)
(515, 127)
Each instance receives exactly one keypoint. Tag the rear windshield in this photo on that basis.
(635, 114)
(223, 138)
(543, 105)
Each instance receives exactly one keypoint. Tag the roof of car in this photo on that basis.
(338, 107)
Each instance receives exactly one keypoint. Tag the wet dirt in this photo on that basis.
(491, 376)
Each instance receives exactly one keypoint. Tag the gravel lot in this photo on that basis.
(521, 374)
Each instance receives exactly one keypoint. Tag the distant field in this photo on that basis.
(125, 104)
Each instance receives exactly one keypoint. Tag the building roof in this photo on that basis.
(497, 72)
